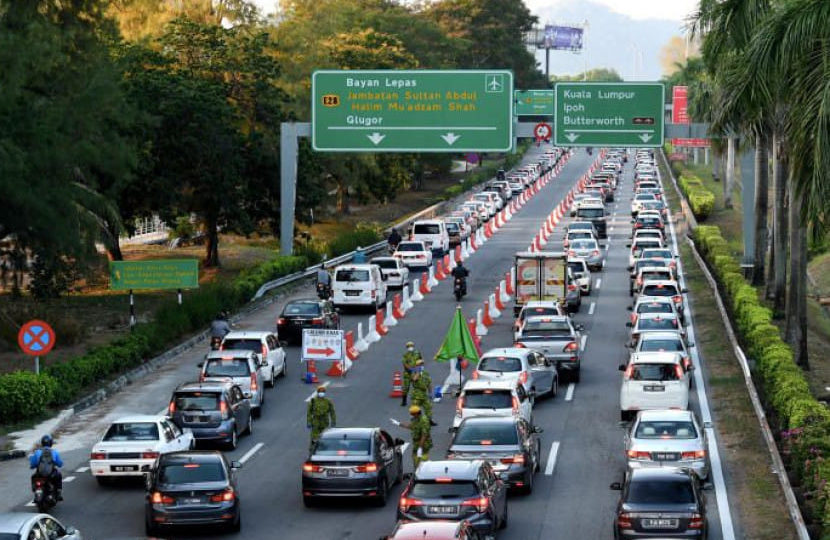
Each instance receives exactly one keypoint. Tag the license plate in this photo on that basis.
(664, 456)
(661, 523)
(654, 388)
(442, 509)
(337, 472)
(190, 501)
(352, 293)
(123, 468)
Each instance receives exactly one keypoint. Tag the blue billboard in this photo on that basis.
(568, 38)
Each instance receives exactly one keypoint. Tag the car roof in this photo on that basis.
(457, 469)
(591, 206)
(427, 221)
(419, 242)
(420, 530)
(654, 358)
(385, 259)
(577, 260)
(350, 432)
(541, 304)
(304, 301)
(247, 334)
(350, 266)
(14, 522)
(654, 268)
(656, 415)
(659, 282)
(207, 386)
(657, 473)
(229, 353)
(482, 384)
(139, 418)
(645, 316)
(490, 420)
(580, 223)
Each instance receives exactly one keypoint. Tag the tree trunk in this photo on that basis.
(212, 231)
(761, 207)
(777, 283)
(111, 240)
(730, 172)
(716, 165)
(797, 291)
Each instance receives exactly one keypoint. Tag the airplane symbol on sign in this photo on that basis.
(494, 83)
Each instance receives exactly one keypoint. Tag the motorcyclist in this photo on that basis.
(219, 328)
(323, 282)
(47, 462)
(394, 239)
(459, 272)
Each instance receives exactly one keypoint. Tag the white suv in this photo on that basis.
(266, 345)
(493, 398)
(653, 381)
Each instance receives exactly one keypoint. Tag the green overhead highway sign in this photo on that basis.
(412, 111)
(609, 114)
(534, 102)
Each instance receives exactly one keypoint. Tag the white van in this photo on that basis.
(358, 285)
(433, 233)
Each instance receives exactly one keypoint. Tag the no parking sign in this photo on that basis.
(36, 338)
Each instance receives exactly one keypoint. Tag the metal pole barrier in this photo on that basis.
(132, 310)
(179, 294)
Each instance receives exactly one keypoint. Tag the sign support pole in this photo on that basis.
(132, 310)
(37, 365)
(290, 132)
(179, 294)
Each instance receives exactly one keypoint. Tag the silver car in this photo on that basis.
(558, 339)
(667, 438)
(588, 250)
(28, 525)
(240, 368)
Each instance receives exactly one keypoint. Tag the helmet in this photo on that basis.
(419, 362)
(46, 440)
(414, 410)
(410, 343)
(321, 388)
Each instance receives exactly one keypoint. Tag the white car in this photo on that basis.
(267, 347)
(577, 234)
(653, 381)
(665, 289)
(665, 342)
(393, 269)
(433, 233)
(649, 233)
(493, 398)
(638, 200)
(505, 364)
(649, 273)
(651, 304)
(655, 322)
(534, 308)
(131, 445)
(360, 285)
(667, 438)
(413, 254)
(638, 246)
(478, 208)
(488, 202)
(581, 274)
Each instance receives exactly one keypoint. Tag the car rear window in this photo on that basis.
(410, 247)
(452, 227)
(669, 429)
(576, 266)
(196, 401)
(662, 491)
(661, 345)
(660, 290)
(191, 473)
(529, 312)
(132, 431)
(500, 363)
(654, 372)
(254, 345)
(648, 221)
(10, 536)
(656, 275)
(386, 263)
(584, 244)
(657, 324)
(486, 434)
(227, 367)
(427, 228)
(488, 399)
(352, 275)
(342, 446)
(590, 213)
(659, 253)
(546, 328)
(302, 308)
(426, 489)
(655, 307)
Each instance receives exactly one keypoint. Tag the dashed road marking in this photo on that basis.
(569, 395)
(582, 343)
(69, 479)
(592, 308)
(250, 453)
(554, 451)
(598, 283)
(30, 503)
(81, 469)
(315, 392)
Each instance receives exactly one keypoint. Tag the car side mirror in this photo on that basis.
(236, 465)
(70, 531)
(580, 327)
(148, 481)
(684, 291)
(629, 324)
(537, 429)
(263, 362)
(200, 365)
(399, 442)
(691, 345)
(621, 367)
(452, 430)
(708, 486)
(616, 486)
(337, 310)
(532, 393)
(629, 308)
(707, 425)
(628, 245)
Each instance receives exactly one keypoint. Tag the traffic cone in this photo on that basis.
(457, 254)
(351, 350)
(425, 288)
(508, 280)
(310, 372)
(487, 320)
(380, 327)
(447, 259)
(397, 385)
(336, 370)
(497, 296)
(471, 324)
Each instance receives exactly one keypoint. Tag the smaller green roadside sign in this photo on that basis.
(159, 274)
(533, 102)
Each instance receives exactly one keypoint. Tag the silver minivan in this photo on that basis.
(239, 367)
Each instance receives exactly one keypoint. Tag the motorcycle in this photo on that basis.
(215, 343)
(323, 291)
(459, 288)
(44, 494)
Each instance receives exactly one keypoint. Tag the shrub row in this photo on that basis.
(804, 422)
(362, 236)
(700, 199)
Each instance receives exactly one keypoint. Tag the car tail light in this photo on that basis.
(639, 282)
(696, 521)
(566, 243)
(158, 498)
(571, 347)
(201, 377)
(595, 252)
(171, 408)
(459, 406)
(677, 299)
(520, 345)
(571, 287)
(254, 384)
(523, 377)
(98, 455)
(223, 410)
(264, 351)
(374, 294)
(149, 455)
(624, 521)
(637, 454)
(571, 253)
(281, 321)
(317, 320)
(638, 225)
(311, 467)
(366, 468)
(227, 495)
(518, 459)
(633, 318)
(406, 503)
(479, 503)
(696, 454)
(515, 403)
(678, 370)
(629, 371)
(475, 375)
(686, 362)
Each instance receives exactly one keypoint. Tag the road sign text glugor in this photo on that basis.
(412, 110)
(609, 114)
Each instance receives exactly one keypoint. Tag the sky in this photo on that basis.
(675, 10)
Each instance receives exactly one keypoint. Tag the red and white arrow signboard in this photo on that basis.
(322, 344)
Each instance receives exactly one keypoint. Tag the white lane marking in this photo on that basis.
(582, 343)
(598, 283)
(404, 446)
(727, 528)
(30, 503)
(69, 479)
(250, 453)
(81, 469)
(315, 392)
(610, 229)
(608, 246)
(592, 308)
(554, 451)
(569, 395)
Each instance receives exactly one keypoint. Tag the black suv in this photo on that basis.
(663, 502)
(596, 215)
(305, 313)
(456, 490)
(216, 412)
(192, 488)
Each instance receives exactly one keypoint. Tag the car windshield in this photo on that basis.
(10, 536)
(661, 345)
(500, 363)
(590, 213)
(227, 367)
(486, 434)
(254, 345)
(196, 401)
(410, 247)
(648, 261)
(427, 228)
(133, 431)
(488, 399)
(646, 243)
(342, 446)
(352, 275)
(655, 307)
(389, 264)
(648, 221)
(666, 429)
(658, 323)
(663, 491)
(426, 489)
(302, 308)
(659, 290)
(194, 472)
(654, 372)
(580, 226)
(645, 197)
(656, 274)
(579, 235)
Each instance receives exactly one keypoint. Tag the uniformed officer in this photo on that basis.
(319, 415)
(422, 389)
(421, 436)
(409, 358)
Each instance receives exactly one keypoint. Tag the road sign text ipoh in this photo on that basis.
(412, 110)
(534, 102)
(609, 114)
(160, 274)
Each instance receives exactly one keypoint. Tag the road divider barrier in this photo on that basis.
(481, 328)
(471, 324)
(380, 326)
(417, 296)
(493, 312)
(397, 307)
(407, 301)
(505, 297)
(351, 350)
(497, 299)
(389, 320)
(431, 281)
(373, 336)
(360, 343)
(310, 372)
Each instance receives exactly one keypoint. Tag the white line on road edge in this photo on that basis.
(592, 308)
(582, 343)
(81, 469)
(404, 446)
(30, 503)
(598, 283)
(69, 479)
(250, 453)
(554, 450)
(569, 395)
(315, 392)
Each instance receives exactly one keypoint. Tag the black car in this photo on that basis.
(595, 215)
(192, 488)
(305, 313)
(356, 462)
(216, 412)
(662, 502)
(510, 444)
(647, 222)
(456, 490)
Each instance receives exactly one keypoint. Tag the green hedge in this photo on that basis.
(701, 200)
(804, 422)
(362, 236)
(24, 395)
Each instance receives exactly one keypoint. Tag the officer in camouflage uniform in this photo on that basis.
(319, 415)
(409, 358)
(421, 436)
(422, 390)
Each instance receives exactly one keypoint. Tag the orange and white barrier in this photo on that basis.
(397, 307)
(407, 300)
(439, 270)
(389, 320)
(497, 302)
(360, 342)
(351, 350)
(493, 311)
(380, 325)
(431, 281)
(481, 328)
(373, 336)
(505, 296)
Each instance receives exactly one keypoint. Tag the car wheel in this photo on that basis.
(236, 524)
(538, 466)
(399, 478)
(150, 528)
(576, 375)
(309, 502)
(503, 524)
(257, 412)
(284, 371)
(529, 482)
(102, 480)
(234, 440)
(383, 493)
(554, 388)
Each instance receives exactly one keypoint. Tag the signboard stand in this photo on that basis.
(132, 310)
